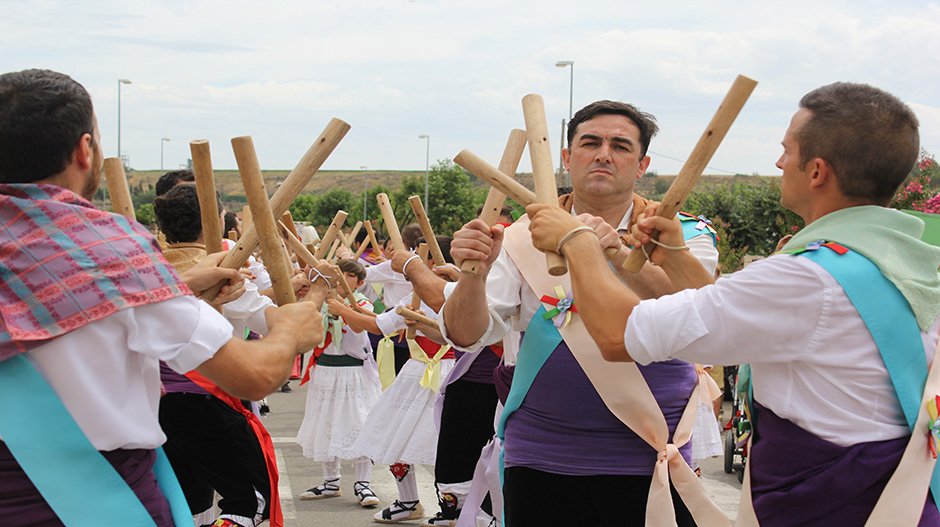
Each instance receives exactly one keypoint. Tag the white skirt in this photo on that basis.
(400, 428)
(338, 401)
(706, 436)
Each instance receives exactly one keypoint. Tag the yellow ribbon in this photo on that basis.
(432, 371)
(385, 358)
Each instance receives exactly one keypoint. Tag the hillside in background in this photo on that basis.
(229, 183)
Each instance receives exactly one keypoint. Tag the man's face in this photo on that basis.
(604, 157)
(97, 163)
(794, 184)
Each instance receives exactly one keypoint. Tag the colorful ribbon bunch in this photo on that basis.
(933, 425)
(563, 307)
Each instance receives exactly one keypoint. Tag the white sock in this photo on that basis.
(459, 490)
(408, 486)
(331, 470)
(363, 469)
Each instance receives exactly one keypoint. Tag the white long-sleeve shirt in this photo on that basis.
(812, 358)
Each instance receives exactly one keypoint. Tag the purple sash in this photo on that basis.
(800, 479)
(22, 505)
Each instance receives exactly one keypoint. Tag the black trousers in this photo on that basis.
(536, 499)
(466, 426)
(212, 447)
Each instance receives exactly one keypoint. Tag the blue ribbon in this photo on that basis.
(892, 325)
(78, 483)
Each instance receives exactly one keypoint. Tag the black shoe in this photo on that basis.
(286, 387)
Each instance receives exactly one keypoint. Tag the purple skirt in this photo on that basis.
(21, 505)
(800, 479)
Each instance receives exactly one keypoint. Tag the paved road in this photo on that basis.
(298, 473)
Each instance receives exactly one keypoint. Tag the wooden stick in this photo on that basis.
(546, 189)
(205, 191)
(416, 316)
(435, 249)
(391, 225)
(352, 235)
(233, 235)
(120, 194)
(309, 259)
(292, 186)
(415, 299)
(288, 220)
(487, 172)
(275, 258)
(330, 256)
(247, 223)
(331, 231)
(297, 246)
(495, 198)
(693, 167)
(362, 247)
(371, 233)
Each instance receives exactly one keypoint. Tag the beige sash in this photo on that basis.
(902, 501)
(626, 394)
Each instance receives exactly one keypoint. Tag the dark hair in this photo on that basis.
(231, 223)
(410, 234)
(43, 115)
(171, 179)
(353, 267)
(177, 214)
(868, 136)
(644, 121)
(444, 243)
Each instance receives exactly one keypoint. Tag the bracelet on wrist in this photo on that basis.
(404, 268)
(319, 275)
(570, 235)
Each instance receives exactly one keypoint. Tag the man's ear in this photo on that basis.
(565, 157)
(644, 164)
(84, 153)
(820, 172)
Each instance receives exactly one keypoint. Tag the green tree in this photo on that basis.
(327, 204)
(303, 207)
(453, 199)
(750, 216)
(145, 215)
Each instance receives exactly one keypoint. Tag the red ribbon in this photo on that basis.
(554, 301)
(316, 355)
(264, 439)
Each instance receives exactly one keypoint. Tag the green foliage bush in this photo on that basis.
(749, 218)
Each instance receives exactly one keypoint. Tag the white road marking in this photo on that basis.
(283, 485)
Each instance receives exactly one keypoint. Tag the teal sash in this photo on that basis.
(73, 477)
(541, 339)
(892, 325)
(693, 226)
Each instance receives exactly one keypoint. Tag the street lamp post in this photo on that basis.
(163, 140)
(427, 165)
(562, 64)
(120, 82)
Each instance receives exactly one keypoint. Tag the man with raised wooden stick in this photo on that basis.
(835, 326)
(568, 459)
(87, 328)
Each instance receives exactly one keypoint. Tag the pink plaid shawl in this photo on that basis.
(65, 264)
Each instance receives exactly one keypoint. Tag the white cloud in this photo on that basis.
(457, 69)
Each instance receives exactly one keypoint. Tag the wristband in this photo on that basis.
(404, 268)
(318, 276)
(569, 236)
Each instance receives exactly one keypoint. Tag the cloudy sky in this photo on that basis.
(457, 70)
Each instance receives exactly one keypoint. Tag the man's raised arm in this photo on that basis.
(466, 316)
(603, 301)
